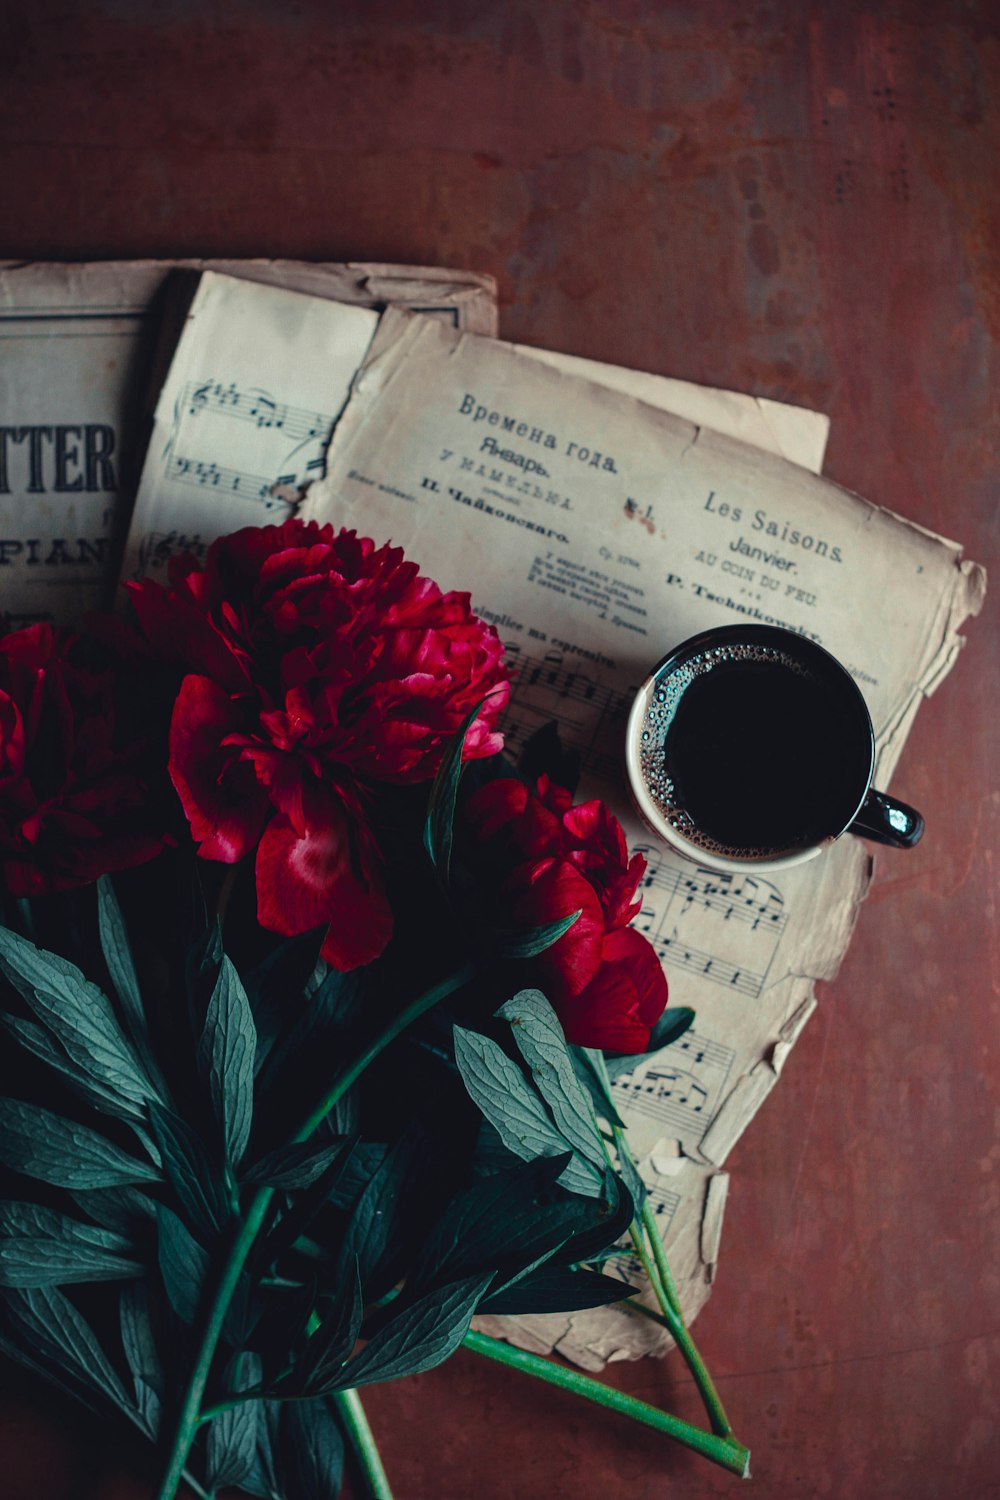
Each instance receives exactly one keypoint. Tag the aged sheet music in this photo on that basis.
(76, 343)
(241, 426)
(596, 532)
(237, 433)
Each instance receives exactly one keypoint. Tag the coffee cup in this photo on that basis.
(750, 745)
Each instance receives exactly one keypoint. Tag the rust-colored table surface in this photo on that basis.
(789, 197)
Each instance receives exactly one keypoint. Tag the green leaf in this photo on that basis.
(59, 1342)
(140, 1352)
(190, 1172)
(557, 1289)
(438, 829)
(296, 1218)
(421, 1336)
(79, 1016)
(589, 1074)
(13, 1350)
(122, 1209)
(630, 1173)
(226, 1057)
(499, 1221)
(231, 1444)
(292, 1167)
(361, 1166)
(535, 939)
(312, 1451)
(118, 957)
(280, 978)
(265, 1477)
(540, 1041)
(41, 1247)
(36, 1040)
(184, 1264)
(369, 1236)
(281, 1328)
(614, 1217)
(327, 1008)
(669, 1028)
(56, 1150)
(319, 1367)
(499, 1088)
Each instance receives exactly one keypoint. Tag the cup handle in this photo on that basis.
(887, 821)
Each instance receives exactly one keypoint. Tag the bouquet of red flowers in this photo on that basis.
(329, 1072)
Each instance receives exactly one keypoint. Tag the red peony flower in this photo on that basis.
(74, 800)
(549, 859)
(317, 667)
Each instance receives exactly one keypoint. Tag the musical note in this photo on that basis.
(682, 1087)
(256, 406)
(210, 475)
(286, 447)
(158, 547)
(590, 714)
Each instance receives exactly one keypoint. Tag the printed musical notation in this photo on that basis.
(232, 481)
(741, 917)
(590, 714)
(683, 1088)
(283, 449)
(258, 407)
(158, 547)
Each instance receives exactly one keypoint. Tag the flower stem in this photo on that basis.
(645, 1232)
(352, 1415)
(682, 1338)
(725, 1451)
(246, 1235)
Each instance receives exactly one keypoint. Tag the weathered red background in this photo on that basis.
(795, 198)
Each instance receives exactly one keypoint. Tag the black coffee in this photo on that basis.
(749, 753)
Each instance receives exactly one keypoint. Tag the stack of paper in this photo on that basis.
(598, 516)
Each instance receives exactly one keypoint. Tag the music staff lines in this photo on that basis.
(251, 487)
(683, 1088)
(590, 713)
(740, 898)
(256, 407)
(731, 976)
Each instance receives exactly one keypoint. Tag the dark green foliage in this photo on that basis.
(42, 1247)
(170, 1112)
(314, 1449)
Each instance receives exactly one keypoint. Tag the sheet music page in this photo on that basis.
(793, 432)
(258, 380)
(596, 532)
(76, 343)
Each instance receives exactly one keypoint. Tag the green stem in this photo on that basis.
(699, 1370)
(662, 1281)
(189, 1418)
(725, 1451)
(195, 1487)
(352, 1415)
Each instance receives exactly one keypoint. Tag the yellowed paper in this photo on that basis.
(76, 348)
(793, 432)
(596, 532)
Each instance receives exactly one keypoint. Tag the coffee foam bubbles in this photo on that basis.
(664, 699)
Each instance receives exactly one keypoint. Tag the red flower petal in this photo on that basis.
(221, 796)
(543, 893)
(326, 876)
(623, 1001)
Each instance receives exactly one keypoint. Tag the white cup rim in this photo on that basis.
(653, 816)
